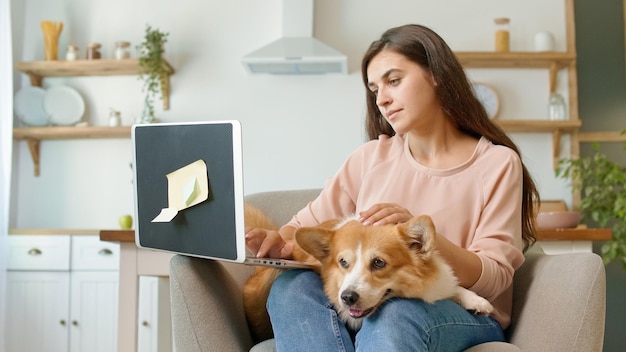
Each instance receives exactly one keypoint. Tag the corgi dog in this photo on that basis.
(363, 266)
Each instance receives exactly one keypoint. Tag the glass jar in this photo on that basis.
(72, 53)
(122, 50)
(93, 51)
(502, 34)
(556, 107)
(115, 118)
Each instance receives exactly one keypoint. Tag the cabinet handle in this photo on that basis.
(62, 322)
(35, 251)
(74, 322)
(105, 251)
(145, 323)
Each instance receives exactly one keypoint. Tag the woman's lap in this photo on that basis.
(303, 320)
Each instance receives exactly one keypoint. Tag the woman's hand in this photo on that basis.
(264, 243)
(384, 214)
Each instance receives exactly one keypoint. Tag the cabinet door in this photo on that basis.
(37, 310)
(154, 333)
(93, 311)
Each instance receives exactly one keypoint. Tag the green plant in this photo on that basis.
(602, 187)
(153, 69)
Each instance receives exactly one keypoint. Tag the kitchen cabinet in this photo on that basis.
(154, 331)
(62, 293)
(38, 70)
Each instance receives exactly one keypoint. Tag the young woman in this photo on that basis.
(433, 151)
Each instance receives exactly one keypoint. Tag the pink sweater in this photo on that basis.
(476, 205)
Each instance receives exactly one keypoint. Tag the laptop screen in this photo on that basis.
(208, 228)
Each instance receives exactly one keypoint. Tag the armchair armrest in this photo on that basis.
(207, 305)
(559, 303)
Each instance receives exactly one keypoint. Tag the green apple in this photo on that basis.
(126, 221)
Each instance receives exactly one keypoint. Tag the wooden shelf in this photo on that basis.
(545, 126)
(578, 234)
(609, 136)
(34, 135)
(477, 59)
(61, 132)
(37, 70)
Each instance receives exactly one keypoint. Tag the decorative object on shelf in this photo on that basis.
(488, 97)
(154, 71)
(122, 50)
(602, 184)
(557, 110)
(547, 220)
(93, 51)
(502, 43)
(64, 105)
(72, 53)
(544, 41)
(28, 107)
(115, 118)
(51, 31)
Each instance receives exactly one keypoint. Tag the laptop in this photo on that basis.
(189, 197)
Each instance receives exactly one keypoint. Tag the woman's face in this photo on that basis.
(405, 92)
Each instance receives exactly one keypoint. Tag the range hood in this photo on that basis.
(297, 51)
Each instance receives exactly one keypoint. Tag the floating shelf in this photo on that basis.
(38, 70)
(34, 135)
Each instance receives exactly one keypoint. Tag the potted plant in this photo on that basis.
(602, 187)
(153, 70)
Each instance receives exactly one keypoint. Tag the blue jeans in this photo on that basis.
(303, 319)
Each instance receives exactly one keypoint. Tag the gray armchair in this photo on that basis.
(559, 300)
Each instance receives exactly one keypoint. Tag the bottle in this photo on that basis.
(556, 107)
(72, 53)
(93, 51)
(114, 118)
(502, 34)
(122, 50)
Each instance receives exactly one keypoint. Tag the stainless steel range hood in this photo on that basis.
(297, 51)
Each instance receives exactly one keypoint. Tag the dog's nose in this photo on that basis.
(349, 297)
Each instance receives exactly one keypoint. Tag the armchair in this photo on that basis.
(559, 300)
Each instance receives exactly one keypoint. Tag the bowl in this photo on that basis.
(558, 220)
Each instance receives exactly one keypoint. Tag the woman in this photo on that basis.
(433, 151)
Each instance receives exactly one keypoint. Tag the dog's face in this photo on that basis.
(362, 266)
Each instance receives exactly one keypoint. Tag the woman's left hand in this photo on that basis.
(384, 214)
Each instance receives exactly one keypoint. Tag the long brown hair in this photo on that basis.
(427, 49)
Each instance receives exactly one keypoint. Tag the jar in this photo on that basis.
(114, 118)
(556, 107)
(72, 53)
(93, 51)
(122, 50)
(502, 34)
(544, 41)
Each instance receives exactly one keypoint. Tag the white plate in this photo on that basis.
(29, 106)
(63, 105)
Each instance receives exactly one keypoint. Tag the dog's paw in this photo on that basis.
(471, 301)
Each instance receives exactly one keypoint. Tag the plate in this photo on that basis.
(64, 105)
(29, 106)
(488, 97)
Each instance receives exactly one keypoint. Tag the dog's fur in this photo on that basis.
(361, 267)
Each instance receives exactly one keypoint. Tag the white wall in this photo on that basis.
(297, 130)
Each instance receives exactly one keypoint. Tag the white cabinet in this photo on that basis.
(154, 331)
(37, 311)
(62, 294)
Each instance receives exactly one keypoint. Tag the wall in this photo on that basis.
(602, 99)
(297, 130)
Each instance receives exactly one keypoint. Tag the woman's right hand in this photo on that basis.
(268, 243)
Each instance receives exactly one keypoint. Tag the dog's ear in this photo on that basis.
(315, 241)
(421, 233)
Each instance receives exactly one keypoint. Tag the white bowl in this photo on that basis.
(558, 220)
